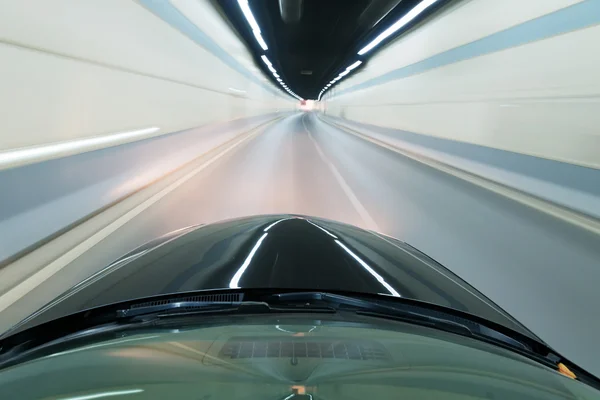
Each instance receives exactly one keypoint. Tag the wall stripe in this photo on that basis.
(172, 16)
(568, 19)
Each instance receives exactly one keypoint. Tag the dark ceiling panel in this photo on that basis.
(319, 39)
(325, 32)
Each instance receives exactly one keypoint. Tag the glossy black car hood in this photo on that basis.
(275, 251)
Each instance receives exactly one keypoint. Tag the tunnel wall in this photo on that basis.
(73, 69)
(77, 70)
(514, 75)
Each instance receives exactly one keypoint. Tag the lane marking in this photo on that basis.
(564, 214)
(26, 286)
(358, 206)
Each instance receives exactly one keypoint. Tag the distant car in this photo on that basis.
(280, 307)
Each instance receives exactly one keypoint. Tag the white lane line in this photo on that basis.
(358, 206)
(20, 290)
(556, 211)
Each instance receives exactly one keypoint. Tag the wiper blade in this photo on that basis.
(422, 320)
(395, 311)
(178, 307)
(185, 308)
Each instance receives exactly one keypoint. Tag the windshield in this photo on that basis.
(435, 153)
(275, 359)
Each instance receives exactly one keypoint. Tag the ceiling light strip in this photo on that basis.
(260, 40)
(409, 16)
(245, 7)
(348, 69)
(269, 65)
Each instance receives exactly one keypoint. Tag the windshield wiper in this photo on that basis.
(396, 311)
(186, 308)
(110, 320)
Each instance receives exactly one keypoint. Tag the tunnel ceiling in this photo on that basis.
(320, 37)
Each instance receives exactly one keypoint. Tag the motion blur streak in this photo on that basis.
(412, 14)
(52, 150)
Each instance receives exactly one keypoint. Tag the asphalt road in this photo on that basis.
(541, 270)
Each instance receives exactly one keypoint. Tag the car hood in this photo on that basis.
(275, 251)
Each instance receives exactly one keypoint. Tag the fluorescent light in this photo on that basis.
(356, 64)
(260, 39)
(279, 79)
(253, 24)
(60, 149)
(369, 269)
(104, 394)
(418, 9)
(266, 60)
(275, 74)
(248, 14)
(234, 284)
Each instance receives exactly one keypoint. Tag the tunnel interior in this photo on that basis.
(466, 129)
(324, 37)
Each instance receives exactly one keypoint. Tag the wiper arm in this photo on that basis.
(184, 308)
(292, 302)
(111, 319)
(176, 308)
(393, 311)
